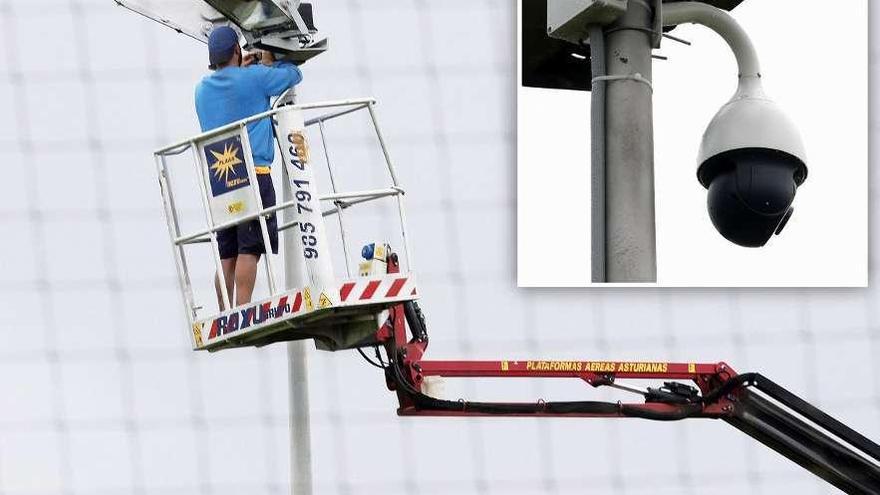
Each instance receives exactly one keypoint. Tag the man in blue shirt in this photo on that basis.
(239, 88)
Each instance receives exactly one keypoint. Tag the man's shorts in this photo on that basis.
(247, 238)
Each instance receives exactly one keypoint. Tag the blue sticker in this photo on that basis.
(226, 167)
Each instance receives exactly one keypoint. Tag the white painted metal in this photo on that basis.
(312, 265)
(355, 104)
(292, 10)
(408, 259)
(569, 20)
(722, 23)
(373, 193)
(299, 412)
(304, 277)
(194, 19)
(300, 419)
(339, 214)
(299, 304)
(361, 197)
(239, 202)
(750, 119)
(215, 250)
(173, 224)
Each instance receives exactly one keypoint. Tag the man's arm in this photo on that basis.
(278, 77)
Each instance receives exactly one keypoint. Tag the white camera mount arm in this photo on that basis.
(750, 119)
(728, 28)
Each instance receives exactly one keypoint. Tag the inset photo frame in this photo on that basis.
(727, 147)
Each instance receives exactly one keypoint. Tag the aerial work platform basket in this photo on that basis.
(310, 302)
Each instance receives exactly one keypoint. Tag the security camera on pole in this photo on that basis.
(751, 159)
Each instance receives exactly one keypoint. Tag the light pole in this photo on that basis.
(624, 226)
(286, 28)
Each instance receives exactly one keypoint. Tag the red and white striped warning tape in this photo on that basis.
(368, 290)
(390, 288)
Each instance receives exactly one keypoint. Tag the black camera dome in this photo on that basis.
(750, 192)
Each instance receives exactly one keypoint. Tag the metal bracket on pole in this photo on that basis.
(658, 23)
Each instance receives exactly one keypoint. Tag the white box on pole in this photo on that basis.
(569, 20)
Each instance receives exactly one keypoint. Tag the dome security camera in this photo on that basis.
(752, 161)
(752, 158)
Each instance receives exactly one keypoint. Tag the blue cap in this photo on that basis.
(221, 45)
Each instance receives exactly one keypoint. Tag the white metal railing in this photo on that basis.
(341, 200)
(355, 104)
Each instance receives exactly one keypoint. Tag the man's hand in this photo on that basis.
(251, 58)
(267, 58)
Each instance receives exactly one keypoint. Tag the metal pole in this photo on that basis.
(631, 253)
(597, 137)
(297, 360)
(300, 422)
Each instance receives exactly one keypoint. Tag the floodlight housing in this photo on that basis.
(256, 15)
(284, 27)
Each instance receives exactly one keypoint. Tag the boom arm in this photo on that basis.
(750, 402)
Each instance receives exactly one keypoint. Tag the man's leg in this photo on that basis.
(250, 243)
(227, 244)
(229, 279)
(245, 277)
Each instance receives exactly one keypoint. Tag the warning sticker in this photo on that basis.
(324, 301)
(235, 207)
(197, 334)
(307, 295)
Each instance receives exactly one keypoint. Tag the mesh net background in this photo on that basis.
(100, 394)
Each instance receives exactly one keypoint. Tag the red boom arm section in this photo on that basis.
(595, 373)
(750, 402)
(675, 401)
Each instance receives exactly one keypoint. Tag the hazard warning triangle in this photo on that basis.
(324, 301)
(307, 295)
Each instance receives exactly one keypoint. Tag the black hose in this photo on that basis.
(428, 403)
(415, 319)
(682, 411)
(367, 359)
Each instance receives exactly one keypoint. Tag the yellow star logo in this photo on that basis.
(226, 162)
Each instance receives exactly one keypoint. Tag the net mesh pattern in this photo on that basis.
(100, 394)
